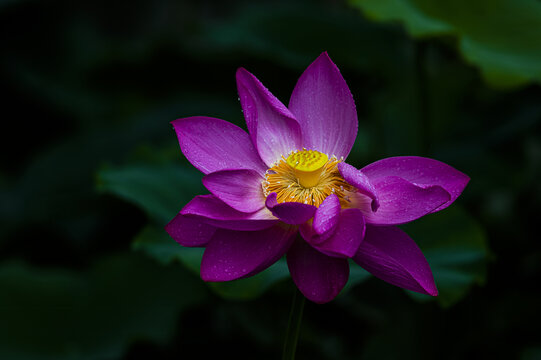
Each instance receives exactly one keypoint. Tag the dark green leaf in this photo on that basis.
(295, 33)
(61, 314)
(501, 36)
(159, 189)
(357, 275)
(456, 249)
(159, 245)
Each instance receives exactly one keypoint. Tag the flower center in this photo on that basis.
(307, 165)
(308, 177)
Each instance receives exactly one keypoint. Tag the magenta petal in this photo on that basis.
(326, 217)
(274, 130)
(240, 189)
(215, 212)
(391, 255)
(189, 231)
(420, 171)
(324, 106)
(232, 255)
(212, 144)
(290, 212)
(319, 277)
(347, 237)
(360, 181)
(307, 233)
(401, 201)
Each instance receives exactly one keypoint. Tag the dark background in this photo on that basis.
(91, 172)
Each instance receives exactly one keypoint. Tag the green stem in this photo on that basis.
(293, 327)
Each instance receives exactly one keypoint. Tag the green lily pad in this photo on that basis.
(159, 189)
(357, 275)
(456, 249)
(501, 37)
(159, 245)
(96, 314)
(156, 243)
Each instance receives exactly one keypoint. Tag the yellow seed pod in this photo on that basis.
(307, 165)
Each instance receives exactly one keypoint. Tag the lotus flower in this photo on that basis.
(284, 188)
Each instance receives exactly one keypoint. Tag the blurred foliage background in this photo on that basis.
(91, 172)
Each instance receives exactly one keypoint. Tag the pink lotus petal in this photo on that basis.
(422, 172)
(290, 212)
(325, 221)
(348, 235)
(360, 181)
(319, 277)
(324, 107)
(212, 144)
(391, 255)
(189, 231)
(232, 255)
(215, 212)
(273, 129)
(306, 230)
(400, 201)
(327, 214)
(240, 189)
